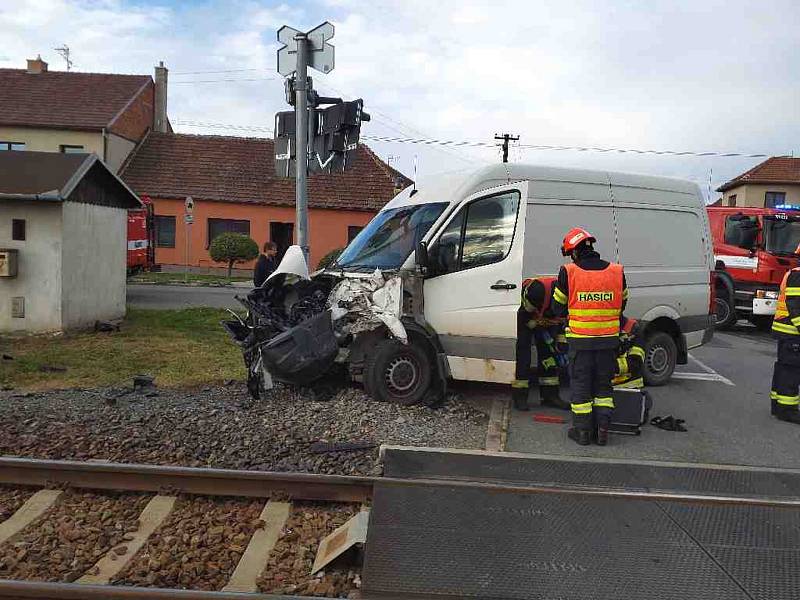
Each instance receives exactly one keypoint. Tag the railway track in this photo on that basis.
(101, 530)
(72, 530)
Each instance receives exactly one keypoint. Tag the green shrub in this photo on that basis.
(232, 248)
(328, 259)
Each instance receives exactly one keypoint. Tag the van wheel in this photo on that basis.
(724, 311)
(660, 356)
(396, 372)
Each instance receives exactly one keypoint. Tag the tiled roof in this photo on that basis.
(778, 169)
(238, 169)
(68, 100)
(54, 176)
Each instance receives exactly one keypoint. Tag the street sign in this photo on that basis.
(321, 54)
(189, 205)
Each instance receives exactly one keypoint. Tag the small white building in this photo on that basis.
(63, 241)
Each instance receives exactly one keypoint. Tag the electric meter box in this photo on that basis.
(8, 262)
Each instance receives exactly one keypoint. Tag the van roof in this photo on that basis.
(464, 183)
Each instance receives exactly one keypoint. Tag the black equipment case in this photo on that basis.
(631, 411)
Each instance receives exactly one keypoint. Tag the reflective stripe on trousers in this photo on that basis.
(785, 400)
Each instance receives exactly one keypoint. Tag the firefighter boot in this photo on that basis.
(550, 397)
(581, 430)
(790, 414)
(520, 398)
(581, 436)
(603, 420)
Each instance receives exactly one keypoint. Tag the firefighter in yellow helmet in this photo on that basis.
(786, 328)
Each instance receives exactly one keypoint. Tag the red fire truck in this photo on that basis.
(141, 238)
(753, 248)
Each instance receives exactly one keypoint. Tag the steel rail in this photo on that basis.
(308, 486)
(40, 590)
(188, 480)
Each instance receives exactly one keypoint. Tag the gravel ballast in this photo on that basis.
(288, 570)
(70, 538)
(11, 499)
(222, 427)
(197, 547)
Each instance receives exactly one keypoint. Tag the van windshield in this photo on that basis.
(390, 237)
(782, 235)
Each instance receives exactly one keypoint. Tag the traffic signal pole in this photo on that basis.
(301, 133)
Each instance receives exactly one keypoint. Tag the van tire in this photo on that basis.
(398, 373)
(660, 357)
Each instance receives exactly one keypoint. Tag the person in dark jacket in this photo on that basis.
(266, 264)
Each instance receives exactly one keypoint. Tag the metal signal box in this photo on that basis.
(8, 262)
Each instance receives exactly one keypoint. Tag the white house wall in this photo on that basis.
(39, 268)
(94, 263)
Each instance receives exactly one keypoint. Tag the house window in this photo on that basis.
(218, 226)
(12, 146)
(18, 230)
(352, 232)
(773, 199)
(732, 200)
(68, 149)
(165, 232)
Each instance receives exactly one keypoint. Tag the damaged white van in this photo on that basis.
(460, 246)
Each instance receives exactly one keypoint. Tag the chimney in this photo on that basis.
(160, 112)
(36, 66)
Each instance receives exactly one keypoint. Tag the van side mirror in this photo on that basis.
(421, 257)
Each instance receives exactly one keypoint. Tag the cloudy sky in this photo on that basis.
(665, 75)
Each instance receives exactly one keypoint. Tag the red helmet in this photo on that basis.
(575, 237)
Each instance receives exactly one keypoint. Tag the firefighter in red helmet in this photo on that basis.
(537, 324)
(592, 293)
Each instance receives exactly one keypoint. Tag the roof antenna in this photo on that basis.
(414, 189)
(64, 52)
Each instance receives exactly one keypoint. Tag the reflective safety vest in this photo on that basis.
(548, 283)
(781, 323)
(595, 301)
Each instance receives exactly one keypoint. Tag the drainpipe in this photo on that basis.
(105, 145)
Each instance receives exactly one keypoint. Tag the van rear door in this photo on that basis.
(472, 291)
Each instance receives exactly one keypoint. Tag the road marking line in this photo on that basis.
(118, 557)
(703, 377)
(701, 364)
(254, 559)
(34, 507)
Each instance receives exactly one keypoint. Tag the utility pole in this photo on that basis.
(506, 137)
(301, 133)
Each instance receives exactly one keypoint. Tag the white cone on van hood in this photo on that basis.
(293, 263)
(371, 303)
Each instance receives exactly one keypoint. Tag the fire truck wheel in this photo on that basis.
(660, 356)
(725, 311)
(396, 372)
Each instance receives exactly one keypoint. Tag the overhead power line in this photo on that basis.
(222, 71)
(220, 80)
(478, 144)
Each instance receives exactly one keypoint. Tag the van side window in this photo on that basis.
(741, 231)
(480, 234)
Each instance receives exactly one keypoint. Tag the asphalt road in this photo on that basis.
(723, 394)
(180, 296)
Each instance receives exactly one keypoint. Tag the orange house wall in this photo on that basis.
(327, 228)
